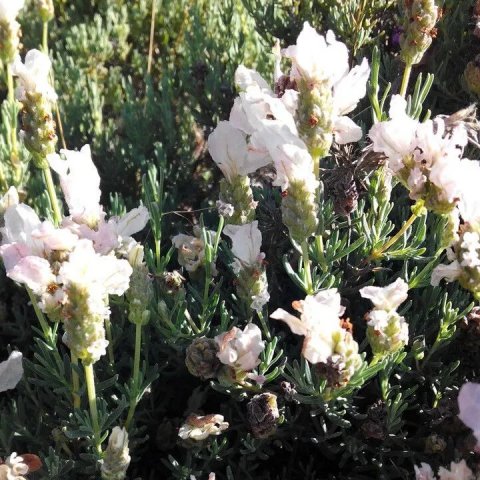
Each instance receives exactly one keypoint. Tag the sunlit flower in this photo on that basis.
(240, 349)
(9, 9)
(319, 320)
(197, 427)
(34, 76)
(458, 471)
(424, 472)
(116, 458)
(191, 249)
(387, 331)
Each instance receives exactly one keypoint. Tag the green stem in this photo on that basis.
(307, 274)
(92, 403)
(377, 253)
(75, 381)
(13, 106)
(47, 331)
(108, 329)
(321, 253)
(45, 38)
(136, 374)
(405, 79)
(152, 34)
(47, 175)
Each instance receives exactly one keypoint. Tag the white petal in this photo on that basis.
(346, 130)
(351, 88)
(296, 325)
(11, 371)
(246, 241)
(132, 222)
(449, 272)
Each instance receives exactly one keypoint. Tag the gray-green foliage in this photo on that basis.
(148, 133)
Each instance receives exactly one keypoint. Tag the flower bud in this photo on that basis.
(472, 76)
(84, 329)
(10, 34)
(299, 211)
(419, 29)
(237, 193)
(139, 295)
(315, 116)
(262, 415)
(201, 358)
(117, 456)
(46, 9)
(171, 283)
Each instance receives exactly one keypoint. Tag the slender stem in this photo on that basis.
(405, 79)
(136, 374)
(377, 253)
(59, 123)
(306, 267)
(75, 381)
(47, 331)
(13, 106)
(92, 402)
(321, 253)
(152, 33)
(108, 329)
(45, 38)
(47, 175)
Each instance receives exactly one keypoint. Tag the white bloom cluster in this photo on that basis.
(426, 157)
(387, 330)
(74, 267)
(317, 59)
(464, 250)
(198, 427)
(248, 263)
(14, 468)
(263, 126)
(240, 349)
(116, 458)
(326, 340)
(457, 471)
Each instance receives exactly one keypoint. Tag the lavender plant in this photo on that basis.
(257, 257)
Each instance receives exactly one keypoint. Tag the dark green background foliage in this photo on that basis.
(137, 123)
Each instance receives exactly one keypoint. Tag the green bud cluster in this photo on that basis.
(391, 338)
(46, 9)
(139, 295)
(342, 364)
(472, 76)
(10, 34)
(299, 211)
(419, 29)
(315, 117)
(38, 128)
(84, 331)
(238, 193)
(252, 286)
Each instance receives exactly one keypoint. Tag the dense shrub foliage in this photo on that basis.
(240, 239)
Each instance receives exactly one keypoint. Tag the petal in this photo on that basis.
(296, 325)
(346, 130)
(134, 221)
(449, 272)
(11, 371)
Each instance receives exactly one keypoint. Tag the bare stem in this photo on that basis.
(75, 381)
(92, 402)
(136, 374)
(405, 79)
(47, 175)
(152, 34)
(306, 267)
